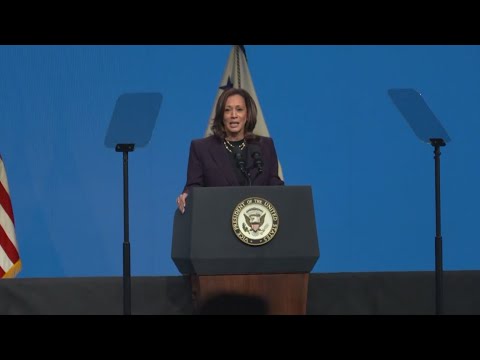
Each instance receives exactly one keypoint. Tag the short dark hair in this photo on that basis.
(218, 128)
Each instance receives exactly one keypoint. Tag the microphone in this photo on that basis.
(241, 164)
(257, 158)
(240, 161)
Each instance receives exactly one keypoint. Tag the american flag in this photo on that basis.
(10, 263)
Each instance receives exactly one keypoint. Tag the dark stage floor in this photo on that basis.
(378, 293)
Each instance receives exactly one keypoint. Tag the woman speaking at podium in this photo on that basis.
(232, 155)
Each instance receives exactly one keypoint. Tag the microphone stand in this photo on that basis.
(246, 174)
(257, 160)
(241, 166)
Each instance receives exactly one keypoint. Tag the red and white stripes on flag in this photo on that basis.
(237, 75)
(10, 263)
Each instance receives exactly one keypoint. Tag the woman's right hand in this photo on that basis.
(182, 202)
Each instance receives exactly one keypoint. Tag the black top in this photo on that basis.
(232, 148)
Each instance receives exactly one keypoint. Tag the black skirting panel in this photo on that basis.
(379, 293)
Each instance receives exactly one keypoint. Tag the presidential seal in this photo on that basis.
(255, 221)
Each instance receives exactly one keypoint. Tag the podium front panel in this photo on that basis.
(205, 243)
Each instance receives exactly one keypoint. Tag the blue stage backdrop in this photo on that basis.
(327, 108)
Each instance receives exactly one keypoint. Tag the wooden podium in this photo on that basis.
(232, 276)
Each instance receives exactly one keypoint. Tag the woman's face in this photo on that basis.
(235, 117)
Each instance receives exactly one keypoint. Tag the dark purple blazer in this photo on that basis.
(209, 163)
